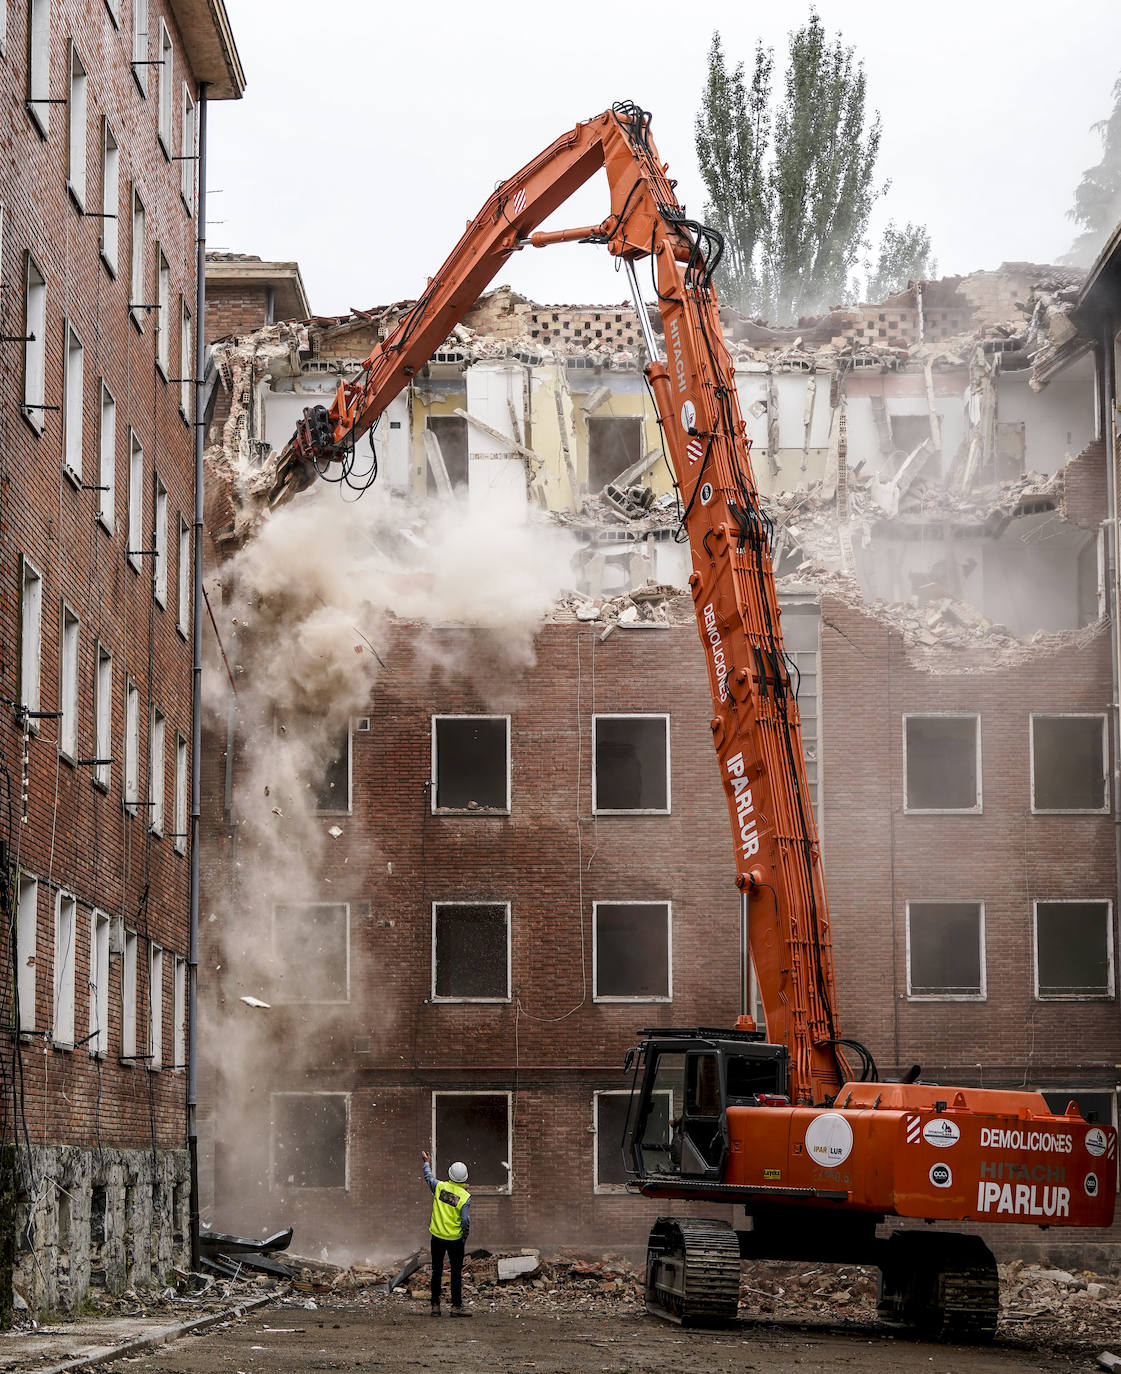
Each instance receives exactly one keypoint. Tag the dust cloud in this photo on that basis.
(302, 610)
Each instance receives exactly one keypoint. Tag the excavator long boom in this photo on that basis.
(755, 723)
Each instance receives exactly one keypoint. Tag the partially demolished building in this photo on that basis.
(510, 860)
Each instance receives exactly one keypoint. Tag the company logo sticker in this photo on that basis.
(1090, 1183)
(829, 1140)
(707, 493)
(772, 1174)
(941, 1132)
(941, 1175)
(1096, 1141)
(688, 416)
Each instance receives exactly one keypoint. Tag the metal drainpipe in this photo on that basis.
(1108, 406)
(196, 695)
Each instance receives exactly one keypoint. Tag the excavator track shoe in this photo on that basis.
(692, 1271)
(944, 1287)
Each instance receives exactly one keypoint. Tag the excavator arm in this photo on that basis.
(755, 722)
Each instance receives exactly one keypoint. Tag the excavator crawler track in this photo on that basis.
(943, 1287)
(692, 1271)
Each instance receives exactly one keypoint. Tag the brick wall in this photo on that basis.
(77, 837)
(235, 309)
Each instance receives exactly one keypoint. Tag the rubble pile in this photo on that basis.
(650, 604)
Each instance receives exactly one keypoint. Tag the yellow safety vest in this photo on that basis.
(447, 1203)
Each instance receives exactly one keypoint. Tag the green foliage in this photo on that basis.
(792, 195)
(732, 133)
(1097, 199)
(904, 257)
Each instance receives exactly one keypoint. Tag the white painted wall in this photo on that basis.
(496, 475)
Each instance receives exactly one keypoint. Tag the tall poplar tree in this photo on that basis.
(732, 133)
(792, 193)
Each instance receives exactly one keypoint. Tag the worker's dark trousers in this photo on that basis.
(454, 1251)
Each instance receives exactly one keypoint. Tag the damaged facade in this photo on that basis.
(518, 869)
(99, 204)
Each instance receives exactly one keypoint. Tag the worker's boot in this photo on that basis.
(435, 1311)
(461, 1311)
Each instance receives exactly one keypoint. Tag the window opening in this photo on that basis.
(31, 637)
(942, 762)
(155, 1007)
(110, 198)
(128, 997)
(1069, 768)
(76, 128)
(73, 397)
(451, 433)
(471, 763)
(136, 544)
(39, 66)
(473, 1128)
(132, 747)
(614, 444)
(309, 1140)
(27, 920)
(99, 985)
(156, 771)
(159, 545)
(107, 456)
(68, 685)
(1073, 949)
(311, 949)
(34, 348)
(631, 953)
(945, 949)
(470, 951)
(180, 832)
(631, 763)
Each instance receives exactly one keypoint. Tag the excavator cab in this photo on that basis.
(677, 1123)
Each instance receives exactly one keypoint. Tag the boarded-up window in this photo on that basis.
(614, 443)
(1068, 756)
(451, 433)
(631, 763)
(632, 951)
(470, 951)
(309, 1137)
(474, 1128)
(311, 950)
(470, 763)
(945, 949)
(1073, 949)
(942, 760)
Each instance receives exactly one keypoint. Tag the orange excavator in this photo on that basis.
(775, 1122)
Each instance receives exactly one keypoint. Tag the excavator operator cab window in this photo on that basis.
(747, 1077)
(703, 1129)
(654, 1133)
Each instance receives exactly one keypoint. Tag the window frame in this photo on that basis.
(27, 948)
(608, 998)
(274, 1186)
(109, 240)
(63, 983)
(73, 403)
(140, 45)
(138, 267)
(163, 313)
(131, 778)
(37, 101)
(481, 811)
(155, 1008)
(77, 140)
(981, 996)
(188, 149)
(482, 1189)
(160, 523)
(184, 572)
(157, 770)
(280, 999)
(609, 1189)
(1110, 950)
(445, 1000)
(128, 996)
(103, 716)
(1101, 716)
(179, 1040)
(35, 345)
(165, 90)
(597, 810)
(977, 808)
(133, 550)
(31, 638)
(69, 666)
(179, 835)
(348, 809)
(186, 357)
(107, 458)
(98, 1043)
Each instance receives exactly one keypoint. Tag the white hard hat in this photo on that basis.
(458, 1172)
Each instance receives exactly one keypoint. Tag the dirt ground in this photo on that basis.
(402, 1336)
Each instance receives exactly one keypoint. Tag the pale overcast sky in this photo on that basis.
(370, 133)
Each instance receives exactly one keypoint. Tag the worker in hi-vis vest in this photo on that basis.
(451, 1222)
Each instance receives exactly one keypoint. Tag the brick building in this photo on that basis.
(462, 970)
(100, 170)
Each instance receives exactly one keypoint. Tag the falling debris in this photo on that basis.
(255, 1002)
